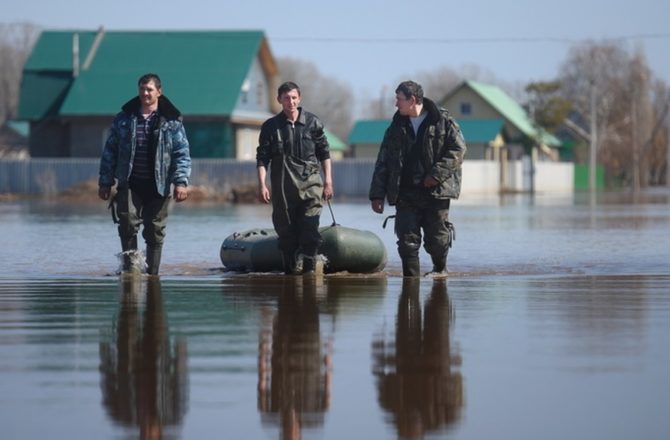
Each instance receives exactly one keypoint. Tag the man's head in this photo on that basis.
(288, 95)
(408, 95)
(149, 89)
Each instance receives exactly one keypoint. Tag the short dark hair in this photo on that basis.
(287, 87)
(409, 89)
(148, 77)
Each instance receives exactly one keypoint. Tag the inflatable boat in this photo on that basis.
(343, 249)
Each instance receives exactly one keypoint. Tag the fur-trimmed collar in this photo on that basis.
(165, 108)
(432, 109)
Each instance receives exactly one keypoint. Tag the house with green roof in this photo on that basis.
(74, 82)
(475, 101)
(480, 135)
(365, 137)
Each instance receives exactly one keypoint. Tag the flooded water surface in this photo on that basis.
(553, 324)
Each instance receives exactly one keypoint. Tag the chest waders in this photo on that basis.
(296, 212)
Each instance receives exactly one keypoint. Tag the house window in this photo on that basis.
(466, 108)
(246, 85)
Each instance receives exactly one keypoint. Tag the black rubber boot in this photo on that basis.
(411, 267)
(154, 258)
(308, 264)
(289, 263)
(439, 264)
(128, 245)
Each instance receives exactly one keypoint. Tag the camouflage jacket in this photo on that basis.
(173, 159)
(441, 152)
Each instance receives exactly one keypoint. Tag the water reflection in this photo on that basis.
(415, 374)
(294, 363)
(144, 374)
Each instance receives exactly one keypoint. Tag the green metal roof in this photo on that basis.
(368, 131)
(371, 131)
(20, 127)
(53, 50)
(481, 131)
(42, 93)
(335, 143)
(510, 110)
(202, 72)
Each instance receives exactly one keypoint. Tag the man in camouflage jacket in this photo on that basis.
(418, 170)
(146, 153)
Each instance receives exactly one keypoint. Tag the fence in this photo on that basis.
(351, 177)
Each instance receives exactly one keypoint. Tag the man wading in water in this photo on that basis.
(292, 144)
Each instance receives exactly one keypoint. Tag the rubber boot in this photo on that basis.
(128, 245)
(289, 262)
(154, 252)
(308, 264)
(411, 267)
(439, 264)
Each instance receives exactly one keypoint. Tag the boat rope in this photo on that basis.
(331, 213)
(386, 220)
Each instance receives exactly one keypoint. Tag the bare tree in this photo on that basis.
(655, 148)
(331, 100)
(625, 110)
(437, 84)
(16, 41)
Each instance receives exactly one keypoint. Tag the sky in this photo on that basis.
(371, 45)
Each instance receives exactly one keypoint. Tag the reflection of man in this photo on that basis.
(416, 383)
(294, 364)
(143, 380)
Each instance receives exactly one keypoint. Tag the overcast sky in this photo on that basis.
(371, 44)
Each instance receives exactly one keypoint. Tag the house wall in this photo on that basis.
(88, 135)
(365, 151)
(210, 138)
(255, 94)
(49, 138)
(480, 109)
(246, 142)
(475, 151)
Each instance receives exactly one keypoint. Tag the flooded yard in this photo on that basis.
(553, 324)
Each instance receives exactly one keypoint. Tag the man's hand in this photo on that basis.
(263, 194)
(180, 193)
(377, 205)
(327, 190)
(430, 181)
(104, 192)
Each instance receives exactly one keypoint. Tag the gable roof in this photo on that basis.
(201, 71)
(368, 131)
(334, 142)
(481, 131)
(371, 131)
(508, 109)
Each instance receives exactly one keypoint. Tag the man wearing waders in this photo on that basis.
(146, 152)
(418, 170)
(292, 144)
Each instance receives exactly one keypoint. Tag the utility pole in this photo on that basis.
(594, 141)
(636, 152)
(667, 150)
